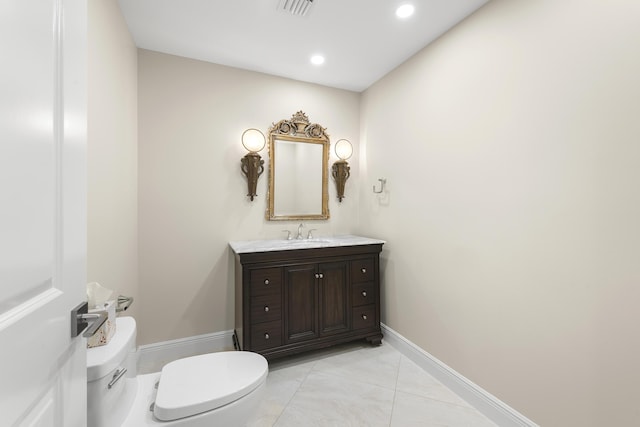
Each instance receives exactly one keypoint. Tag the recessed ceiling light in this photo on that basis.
(405, 10)
(317, 59)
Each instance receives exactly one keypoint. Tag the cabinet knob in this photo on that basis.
(364, 270)
(266, 336)
(364, 317)
(364, 293)
(321, 276)
(317, 276)
(266, 308)
(266, 281)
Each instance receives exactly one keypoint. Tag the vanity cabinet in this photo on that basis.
(289, 301)
(317, 298)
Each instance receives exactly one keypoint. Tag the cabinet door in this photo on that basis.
(334, 298)
(301, 317)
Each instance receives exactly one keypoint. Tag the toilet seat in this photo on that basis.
(203, 383)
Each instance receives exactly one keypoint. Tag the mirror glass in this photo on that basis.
(298, 169)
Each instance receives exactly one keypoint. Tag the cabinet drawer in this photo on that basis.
(364, 317)
(266, 335)
(362, 270)
(266, 308)
(265, 281)
(363, 294)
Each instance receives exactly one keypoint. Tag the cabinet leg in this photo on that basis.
(375, 339)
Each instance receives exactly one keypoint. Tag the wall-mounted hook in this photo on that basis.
(383, 181)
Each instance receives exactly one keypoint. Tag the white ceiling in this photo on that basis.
(362, 40)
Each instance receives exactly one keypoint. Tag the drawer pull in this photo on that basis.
(266, 281)
(364, 293)
(266, 336)
(364, 270)
(364, 317)
(266, 308)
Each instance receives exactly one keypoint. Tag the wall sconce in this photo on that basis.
(252, 164)
(340, 169)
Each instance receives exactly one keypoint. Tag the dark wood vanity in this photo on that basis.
(294, 300)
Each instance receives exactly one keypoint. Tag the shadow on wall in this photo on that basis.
(387, 268)
(206, 311)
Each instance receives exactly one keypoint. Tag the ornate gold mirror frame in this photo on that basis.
(298, 170)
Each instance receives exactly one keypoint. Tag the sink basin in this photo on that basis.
(309, 241)
(297, 244)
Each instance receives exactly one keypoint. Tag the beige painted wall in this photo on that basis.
(512, 156)
(112, 211)
(192, 195)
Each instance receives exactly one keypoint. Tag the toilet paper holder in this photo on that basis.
(123, 303)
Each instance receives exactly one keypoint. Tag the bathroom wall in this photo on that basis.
(112, 160)
(510, 148)
(192, 195)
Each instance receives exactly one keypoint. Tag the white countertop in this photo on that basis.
(249, 246)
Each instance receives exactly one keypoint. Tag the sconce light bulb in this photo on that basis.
(253, 140)
(343, 149)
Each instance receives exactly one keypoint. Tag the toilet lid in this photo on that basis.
(202, 383)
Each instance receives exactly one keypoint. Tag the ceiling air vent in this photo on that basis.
(295, 7)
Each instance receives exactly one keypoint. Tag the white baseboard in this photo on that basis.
(155, 353)
(492, 407)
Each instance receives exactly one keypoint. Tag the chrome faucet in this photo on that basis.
(300, 227)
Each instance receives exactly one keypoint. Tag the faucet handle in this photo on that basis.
(310, 234)
(288, 234)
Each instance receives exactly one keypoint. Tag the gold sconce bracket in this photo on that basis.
(252, 168)
(340, 172)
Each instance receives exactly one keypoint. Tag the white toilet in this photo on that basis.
(216, 389)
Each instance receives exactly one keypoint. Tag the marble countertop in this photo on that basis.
(249, 246)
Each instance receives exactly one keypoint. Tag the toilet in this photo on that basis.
(215, 389)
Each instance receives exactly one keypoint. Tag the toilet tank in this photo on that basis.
(110, 392)
(104, 359)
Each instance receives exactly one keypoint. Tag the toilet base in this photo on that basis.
(234, 414)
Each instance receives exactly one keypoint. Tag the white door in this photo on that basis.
(42, 211)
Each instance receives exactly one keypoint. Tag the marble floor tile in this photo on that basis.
(355, 385)
(296, 369)
(412, 379)
(410, 410)
(281, 385)
(325, 400)
(372, 365)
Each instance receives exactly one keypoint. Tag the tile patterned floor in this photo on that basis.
(359, 385)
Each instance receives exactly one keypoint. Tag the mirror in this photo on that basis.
(298, 170)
